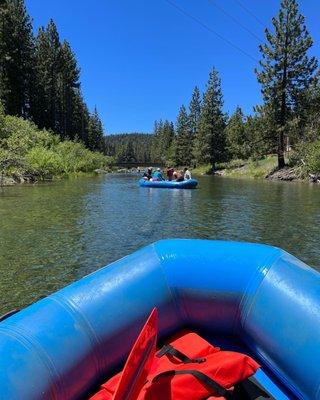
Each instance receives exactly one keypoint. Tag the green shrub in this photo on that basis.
(44, 162)
(203, 170)
(2, 123)
(236, 163)
(10, 161)
(21, 135)
(307, 155)
(76, 158)
(25, 148)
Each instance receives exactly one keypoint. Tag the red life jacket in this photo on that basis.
(187, 367)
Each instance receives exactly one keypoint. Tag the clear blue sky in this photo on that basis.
(140, 59)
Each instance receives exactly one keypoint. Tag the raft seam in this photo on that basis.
(245, 305)
(175, 297)
(74, 310)
(56, 386)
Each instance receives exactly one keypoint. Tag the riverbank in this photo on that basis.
(265, 168)
(29, 154)
(241, 168)
(24, 178)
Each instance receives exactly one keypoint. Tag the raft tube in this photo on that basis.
(187, 184)
(258, 297)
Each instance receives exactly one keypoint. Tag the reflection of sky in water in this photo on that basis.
(53, 234)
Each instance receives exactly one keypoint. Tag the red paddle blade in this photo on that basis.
(139, 362)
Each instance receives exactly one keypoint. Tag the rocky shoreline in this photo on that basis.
(284, 174)
(287, 174)
(16, 178)
(290, 174)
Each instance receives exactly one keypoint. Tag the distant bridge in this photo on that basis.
(138, 164)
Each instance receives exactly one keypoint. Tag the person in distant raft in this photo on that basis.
(180, 176)
(148, 174)
(157, 175)
(187, 174)
(170, 172)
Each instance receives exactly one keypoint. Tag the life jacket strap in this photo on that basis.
(168, 349)
(209, 382)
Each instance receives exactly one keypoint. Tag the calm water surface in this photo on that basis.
(53, 234)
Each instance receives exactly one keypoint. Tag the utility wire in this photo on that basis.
(250, 13)
(208, 28)
(235, 20)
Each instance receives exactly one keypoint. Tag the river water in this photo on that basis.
(52, 234)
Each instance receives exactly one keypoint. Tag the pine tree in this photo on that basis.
(95, 132)
(194, 110)
(80, 121)
(155, 145)
(162, 141)
(48, 61)
(16, 58)
(68, 85)
(209, 142)
(182, 144)
(286, 69)
(236, 136)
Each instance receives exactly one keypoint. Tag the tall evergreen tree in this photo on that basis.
(81, 119)
(236, 136)
(286, 69)
(48, 61)
(194, 110)
(156, 139)
(16, 57)
(68, 83)
(95, 132)
(209, 142)
(162, 141)
(182, 144)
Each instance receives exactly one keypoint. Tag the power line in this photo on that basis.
(208, 28)
(250, 13)
(235, 20)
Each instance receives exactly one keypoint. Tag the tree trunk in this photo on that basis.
(281, 162)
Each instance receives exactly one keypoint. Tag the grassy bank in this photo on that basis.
(249, 168)
(203, 170)
(30, 154)
(241, 168)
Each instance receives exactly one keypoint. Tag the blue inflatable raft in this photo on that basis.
(254, 298)
(187, 184)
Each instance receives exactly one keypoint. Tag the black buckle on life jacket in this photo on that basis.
(168, 349)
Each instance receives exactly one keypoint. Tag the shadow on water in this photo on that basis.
(53, 234)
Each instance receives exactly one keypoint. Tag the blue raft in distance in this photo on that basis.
(254, 298)
(186, 184)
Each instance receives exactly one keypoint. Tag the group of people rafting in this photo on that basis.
(171, 174)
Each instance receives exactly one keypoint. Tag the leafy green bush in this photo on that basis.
(44, 162)
(25, 148)
(2, 122)
(307, 155)
(10, 161)
(203, 170)
(236, 163)
(76, 158)
(22, 135)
